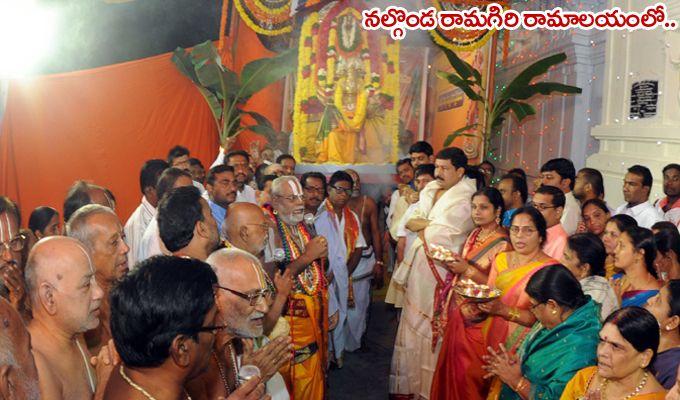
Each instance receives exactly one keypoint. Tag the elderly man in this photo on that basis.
(444, 218)
(12, 242)
(65, 299)
(341, 226)
(242, 302)
(293, 246)
(143, 215)
(82, 193)
(18, 375)
(151, 243)
(99, 230)
(164, 322)
(186, 225)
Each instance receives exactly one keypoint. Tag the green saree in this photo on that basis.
(551, 357)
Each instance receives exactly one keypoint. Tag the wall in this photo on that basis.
(652, 142)
(562, 124)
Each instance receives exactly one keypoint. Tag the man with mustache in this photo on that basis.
(221, 187)
(371, 265)
(99, 230)
(669, 206)
(18, 375)
(12, 242)
(637, 185)
(240, 161)
(443, 218)
(82, 193)
(186, 224)
(293, 246)
(341, 226)
(65, 299)
(314, 186)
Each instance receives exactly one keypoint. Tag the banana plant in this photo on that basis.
(511, 98)
(226, 92)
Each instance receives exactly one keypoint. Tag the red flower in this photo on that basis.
(308, 41)
(306, 71)
(312, 106)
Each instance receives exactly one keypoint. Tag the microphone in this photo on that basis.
(309, 219)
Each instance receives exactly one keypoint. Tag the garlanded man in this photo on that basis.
(443, 218)
(294, 246)
(341, 226)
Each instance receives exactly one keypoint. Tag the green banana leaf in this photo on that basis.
(463, 84)
(521, 110)
(518, 86)
(464, 69)
(459, 133)
(544, 88)
(261, 73)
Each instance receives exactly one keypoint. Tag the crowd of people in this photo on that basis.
(247, 282)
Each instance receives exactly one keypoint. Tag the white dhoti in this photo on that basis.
(414, 358)
(361, 288)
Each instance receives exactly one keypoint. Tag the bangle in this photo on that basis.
(521, 385)
(513, 314)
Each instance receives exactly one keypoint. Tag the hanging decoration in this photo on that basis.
(461, 39)
(346, 107)
(266, 17)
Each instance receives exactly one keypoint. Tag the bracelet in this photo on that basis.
(521, 385)
(513, 314)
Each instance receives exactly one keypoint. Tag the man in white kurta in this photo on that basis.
(142, 216)
(443, 218)
(332, 224)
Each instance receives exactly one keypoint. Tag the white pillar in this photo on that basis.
(624, 141)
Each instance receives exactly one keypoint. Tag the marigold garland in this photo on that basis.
(263, 19)
(319, 90)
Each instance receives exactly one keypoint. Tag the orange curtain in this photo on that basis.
(99, 125)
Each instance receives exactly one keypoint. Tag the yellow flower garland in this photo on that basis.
(257, 28)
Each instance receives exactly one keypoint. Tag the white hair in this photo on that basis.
(78, 227)
(278, 183)
(228, 256)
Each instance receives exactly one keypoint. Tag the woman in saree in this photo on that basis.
(634, 255)
(614, 228)
(628, 342)
(473, 327)
(563, 341)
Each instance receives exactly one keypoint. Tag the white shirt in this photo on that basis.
(135, 227)
(151, 244)
(572, 213)
(644, 213)
(247, 195)
(393, 204)
(402, 231)
(672, 215)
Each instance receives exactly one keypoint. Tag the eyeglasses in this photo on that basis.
(293, 197)
(16, 244)
(253, 298)
(516, 230)
(541, 206)
(340, 190)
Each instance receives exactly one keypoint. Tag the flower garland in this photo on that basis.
(267, 17)
(319, 106)
(312, 280)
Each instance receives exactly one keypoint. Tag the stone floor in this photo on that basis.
(365, 374)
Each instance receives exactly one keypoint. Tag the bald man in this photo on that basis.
(247, 228)
(18, 375)
(65, 299)
(242, 303)
(82, 193)
(100, 231)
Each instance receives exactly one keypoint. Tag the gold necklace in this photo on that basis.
(483, 239)
(139, 388)
(638, 388)
(223, 375)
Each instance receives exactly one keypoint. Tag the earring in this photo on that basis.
(498, 220)
(554, 312)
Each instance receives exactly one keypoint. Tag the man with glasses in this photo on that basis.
(12, 242)
(165, 324)
(549, 201)
(560, 173)
(243, 297)
(293, 246)
(341, 226)
(443, 218)
(314, 187)
(65, 302)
